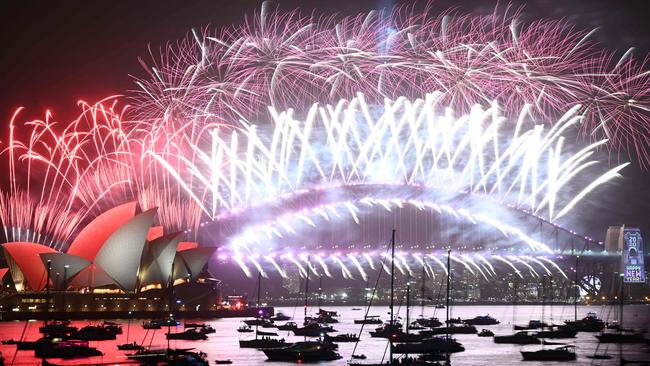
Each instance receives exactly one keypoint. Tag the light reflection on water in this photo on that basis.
(479, 351)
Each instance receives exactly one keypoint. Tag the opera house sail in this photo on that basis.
(119, 263)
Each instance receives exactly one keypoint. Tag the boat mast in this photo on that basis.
(408, 304)
(47, 290)
(448, 300)
(422, 290)
(257, 313)
(620, 312)
(392, 288)
(543, 298)
(306, 297)
(320, 292)
(576, 292)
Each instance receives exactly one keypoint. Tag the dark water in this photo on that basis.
(479, 351)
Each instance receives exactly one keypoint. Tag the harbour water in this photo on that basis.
(479, 351)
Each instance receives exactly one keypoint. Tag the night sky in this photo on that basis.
(56, 53)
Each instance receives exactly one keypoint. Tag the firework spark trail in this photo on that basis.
(344, 269)
(499, 258)
(286, 60)
(368, 258)
(319, 259)
(358, 265)
(277, 267)
(517, 259)
(554, 265)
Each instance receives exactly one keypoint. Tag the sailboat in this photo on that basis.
(552, 332)
(621, 336)
(422, 322)
(310, 328)
(129, 346)
(521, 337)
(48, 347)
(265, 341)
(428, 344)
(307, 351)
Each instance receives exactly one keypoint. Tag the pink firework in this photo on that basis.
(287, 60)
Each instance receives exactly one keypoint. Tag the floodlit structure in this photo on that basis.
(118, 253)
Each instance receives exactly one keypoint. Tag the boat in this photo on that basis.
(262, 333)
(429, 345)
(547, 343)
(485, 333)
(312, 329)
(359, 357)
(455, 329)
(388, 330)
(454, 321)
(245, 329)
(517, 338)
(66, 349)
(303, 352)
(9, 341)
(190, 334)
(223, 362)
(440, 306)
(170, 357)
(288, 326)
(415, 326)
(54, 328)
(206, 329)
(590, 323)
(33, 345)
(532, 324)
(356, 309)
(96, 333)
(340, 338)
(260, 322)
(564, 353)
(481, 320)
(370, 319)
(133, 346)
(602, 356)
(159, 323)
(262, 343)
(621, 337)
(556, 333)
(280, 317)
(151, 325)
(431, 322)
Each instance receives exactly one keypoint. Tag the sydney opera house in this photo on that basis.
(120, 262)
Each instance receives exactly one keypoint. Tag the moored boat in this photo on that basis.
(564, 353)
(303, 352)
(517, 338)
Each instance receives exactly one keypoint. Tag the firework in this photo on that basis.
(288, 61)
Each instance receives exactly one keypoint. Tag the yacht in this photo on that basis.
(556, 333)
(262, 343)
(517, 338)
(457, 329)
(486, 333)
(590, 323)
(481, 320)
(564, 353)
(280, 317)
(54, 328)
(429, 345)
(532, 324)
(370, 319)
(190, 334)
(96, 333)
(303, 352)
(66, 349)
